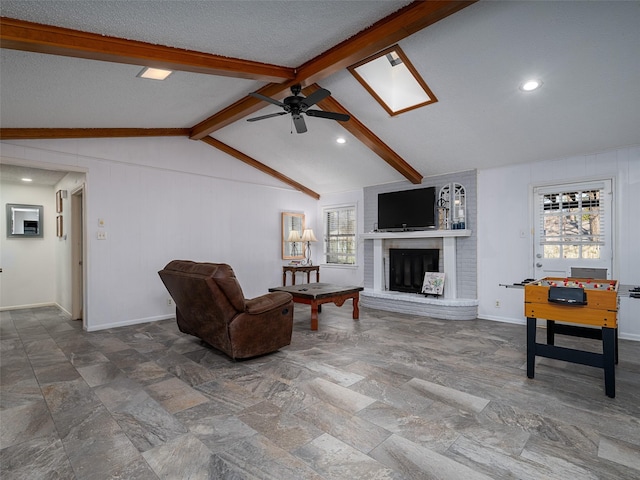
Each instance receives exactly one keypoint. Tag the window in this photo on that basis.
(393, 81)
(340, 235)
(572, 224)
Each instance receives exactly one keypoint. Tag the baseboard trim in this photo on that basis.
(126, 323)
(33, 305)
(516, 321)
(623, 336)
(629, 336)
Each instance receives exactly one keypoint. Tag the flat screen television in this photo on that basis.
(407, 210)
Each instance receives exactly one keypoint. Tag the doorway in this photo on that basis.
(573, 228)
(77, 255)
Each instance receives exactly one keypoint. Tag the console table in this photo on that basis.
(299, 268)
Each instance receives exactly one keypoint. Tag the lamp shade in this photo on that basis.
(294, 236)
(308, 236)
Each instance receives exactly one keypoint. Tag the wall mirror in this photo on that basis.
(292, 228)
(24, 220)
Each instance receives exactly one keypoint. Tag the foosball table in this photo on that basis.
(588, 308)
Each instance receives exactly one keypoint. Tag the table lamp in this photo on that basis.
(294, 237)
(308, 236)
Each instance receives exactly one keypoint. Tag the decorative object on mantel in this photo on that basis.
(308, 236)
(452, 207)
(433, 283)
(443, 210)
(294, 238)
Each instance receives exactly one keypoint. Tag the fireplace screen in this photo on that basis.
(407, 267)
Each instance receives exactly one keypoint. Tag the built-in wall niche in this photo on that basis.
(452, 207)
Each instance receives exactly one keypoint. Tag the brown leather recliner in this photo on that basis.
(211, 306)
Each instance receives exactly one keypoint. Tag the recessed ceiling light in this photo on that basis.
(154, 73)
(341, 140)
(530, 85)
(27, 180)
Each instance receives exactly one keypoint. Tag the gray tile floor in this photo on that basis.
(389, 397)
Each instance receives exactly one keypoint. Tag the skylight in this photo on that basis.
(393, 81)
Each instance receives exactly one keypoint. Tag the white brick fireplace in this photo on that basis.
(448, 307)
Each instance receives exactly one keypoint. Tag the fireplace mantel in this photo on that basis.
(448, 251)
(416, 234)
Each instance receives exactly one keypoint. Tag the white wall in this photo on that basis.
(163, 199)
(504, 210)
(28, 264)
(341, 274)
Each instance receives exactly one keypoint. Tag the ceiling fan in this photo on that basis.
(296, 105)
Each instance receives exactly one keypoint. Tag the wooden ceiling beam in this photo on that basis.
(52, 133)
(32, 37)
(260, 166)
(35, 37)
(386, 32)
(382, 34)
(356, 128)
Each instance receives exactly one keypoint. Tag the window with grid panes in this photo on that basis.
(572, 224)
(340, 235)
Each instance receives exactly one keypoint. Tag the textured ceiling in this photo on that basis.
(586, 53)
(39, 177)
(278, 32)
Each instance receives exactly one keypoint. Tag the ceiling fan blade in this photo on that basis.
(298, 121)
(341, 117)
(315, 97)
(267, 99)
(266, 116)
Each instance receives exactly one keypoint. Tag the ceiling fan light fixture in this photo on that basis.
(530, 85)
(296, 105)
(154, 73)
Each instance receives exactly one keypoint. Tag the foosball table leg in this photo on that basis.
(531, 346)
(551, 332)
(609, 360)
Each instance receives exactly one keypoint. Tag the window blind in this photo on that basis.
(572, 221)
(340, 235)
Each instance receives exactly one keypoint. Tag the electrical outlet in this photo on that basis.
(497, 303)
(169, 301)
(102, 235)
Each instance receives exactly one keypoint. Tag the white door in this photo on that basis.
(77, 255)
(572, 228)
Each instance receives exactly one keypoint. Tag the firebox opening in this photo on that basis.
(408, 265)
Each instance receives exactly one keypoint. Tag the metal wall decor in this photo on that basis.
(452, 207)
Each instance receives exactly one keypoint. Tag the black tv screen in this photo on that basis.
(407, 210)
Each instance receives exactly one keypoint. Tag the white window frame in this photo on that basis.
(554, 266)
(326, 236)
(559, 210)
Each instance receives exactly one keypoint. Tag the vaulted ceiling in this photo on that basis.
(68, 69)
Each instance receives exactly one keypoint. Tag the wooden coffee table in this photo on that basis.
(315, 294)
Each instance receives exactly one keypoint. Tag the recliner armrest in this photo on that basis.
(267, 302)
